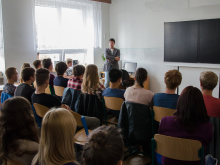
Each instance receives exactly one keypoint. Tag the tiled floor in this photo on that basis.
(137, 159)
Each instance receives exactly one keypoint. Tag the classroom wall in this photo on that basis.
(138, 27)
(18, 31)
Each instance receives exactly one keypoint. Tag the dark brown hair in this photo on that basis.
(191, 110)
(173, 79)
(60, 68)
(141, 76)
(10, 72)
(112, 39)
(37, 63)
(78, 70)
(26, 73)
(16, 122)
(47, 63)
(42, 75)
(104, 147)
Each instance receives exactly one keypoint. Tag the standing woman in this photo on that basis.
(24, 65)
(18, 131)
(91, 84)
(112, 56)
(57, 139)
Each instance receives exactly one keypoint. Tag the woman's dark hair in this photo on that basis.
(141, 76)
(191, 110)
(104, 147)
(16, 122)
(60, 68)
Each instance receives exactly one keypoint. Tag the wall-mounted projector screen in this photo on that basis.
(192, 41)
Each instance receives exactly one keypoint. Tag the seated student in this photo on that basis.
(48, 64)
(19, 133)
(104, 146)
(60, 68)
(76, 81)
(24, 65)
(12, 77)
(190, 121)
(48, 100)
(169, 99)
(25, 89)
(137, 93)
(69, 71)
(37, 64)
(208, 81)
(91, 84)
(57, 142)
(115, 76)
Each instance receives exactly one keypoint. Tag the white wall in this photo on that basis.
(138, 27)
(18, 32)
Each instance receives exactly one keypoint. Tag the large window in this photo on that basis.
(64, 31)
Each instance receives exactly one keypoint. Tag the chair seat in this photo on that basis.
(113, 120)
(80, 137)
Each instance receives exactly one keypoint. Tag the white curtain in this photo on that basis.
(68, 24)
(1, 28)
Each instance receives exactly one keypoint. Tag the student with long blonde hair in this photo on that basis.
(57, 142)
(91, 84)
(24, 65)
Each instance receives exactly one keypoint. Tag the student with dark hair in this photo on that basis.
(37, 64)
(24, 65)
(115, 76)
(60, 68)
(104, 146)
(18, 131)
(48, 64)
(137, 93)
(76, 81)
(12, 77)
(112, 56)
(25, 89)
(50, 101)
(190, 121)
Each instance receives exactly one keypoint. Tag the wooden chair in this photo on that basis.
(12, 162)
(177, 148)
(81, 136)
(112, 103)
(47, 90)
(40, 109)
(59, 90)
(157, 113)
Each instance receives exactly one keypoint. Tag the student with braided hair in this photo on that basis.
(104, 146)
(137, 93)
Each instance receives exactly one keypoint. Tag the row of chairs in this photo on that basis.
(170, 147)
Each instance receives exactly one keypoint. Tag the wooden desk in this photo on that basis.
(146, 83)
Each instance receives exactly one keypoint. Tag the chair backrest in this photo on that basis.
(12, 162)
(178, 148)
(113, 103)
(160, 112)
(77, 118)
(47, 90)
(59, 90)
(4, 97)
(40, 109)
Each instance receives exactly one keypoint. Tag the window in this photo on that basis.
(78, 56)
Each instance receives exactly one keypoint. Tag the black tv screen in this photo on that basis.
(192, 41)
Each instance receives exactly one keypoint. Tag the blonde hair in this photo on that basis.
(68, 60)
(173, 79)
(57, 142)
(90, 79)
(208, 80)
(24, 65)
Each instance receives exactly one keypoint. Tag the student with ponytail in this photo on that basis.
(137, 93)
(104, 146)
